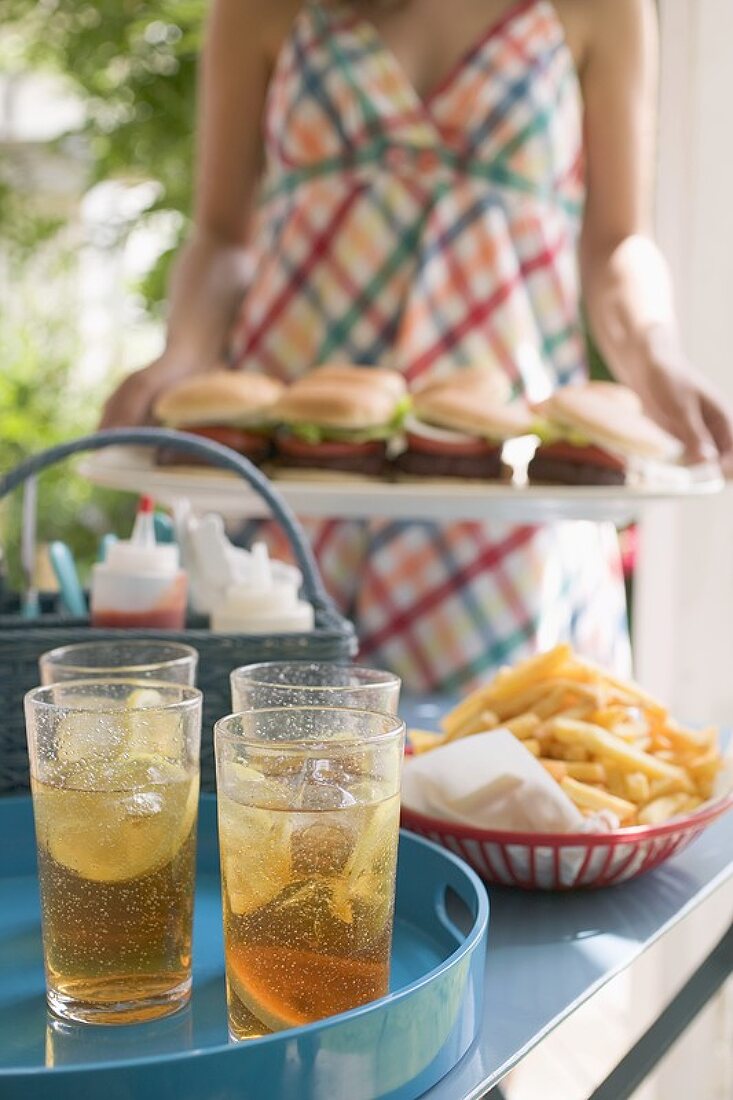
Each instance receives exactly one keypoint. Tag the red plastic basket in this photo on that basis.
(566, 861)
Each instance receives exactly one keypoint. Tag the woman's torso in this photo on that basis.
(429, 230)
(426, 229)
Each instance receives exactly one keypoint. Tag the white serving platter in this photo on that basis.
(351, 497)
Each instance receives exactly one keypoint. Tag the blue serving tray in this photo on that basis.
(393, 1049)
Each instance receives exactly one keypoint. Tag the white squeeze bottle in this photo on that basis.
(262, 604)
(140, 583)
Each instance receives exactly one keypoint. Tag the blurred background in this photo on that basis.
(96, 112)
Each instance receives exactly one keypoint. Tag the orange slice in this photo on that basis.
(283, 987)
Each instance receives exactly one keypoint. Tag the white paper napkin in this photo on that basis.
(492, 782)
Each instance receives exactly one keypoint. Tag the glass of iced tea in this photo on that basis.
(314, 684)
(309, 811)
(129, 659)
(115, 780)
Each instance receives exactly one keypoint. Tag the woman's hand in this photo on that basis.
(684, 403)
(132, 402)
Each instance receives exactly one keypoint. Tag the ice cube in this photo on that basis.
(143, 804)
(318, 795)
(321, 849)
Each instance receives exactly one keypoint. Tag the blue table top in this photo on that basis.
(548, 953)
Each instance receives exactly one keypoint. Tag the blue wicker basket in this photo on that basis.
(23, 641)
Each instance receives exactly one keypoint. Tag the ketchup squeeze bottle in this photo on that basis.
(140, 583)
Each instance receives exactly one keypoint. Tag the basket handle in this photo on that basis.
(217, 455)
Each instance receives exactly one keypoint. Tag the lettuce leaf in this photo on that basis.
(555, 433)
(316, 433)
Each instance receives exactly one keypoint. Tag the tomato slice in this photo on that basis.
(297, 448)
(589, 455)
(236, 438)
(470, 448)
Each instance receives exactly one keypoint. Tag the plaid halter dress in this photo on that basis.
(428, 234)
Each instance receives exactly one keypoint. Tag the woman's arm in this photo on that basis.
(211, 274)
(626, 283)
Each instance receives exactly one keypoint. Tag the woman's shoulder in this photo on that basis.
(276, 21)
(604, 22)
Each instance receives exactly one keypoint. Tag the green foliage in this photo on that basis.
(40, 405)
(132, 63)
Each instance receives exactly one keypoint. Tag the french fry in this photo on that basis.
(558, 769)
(637, 787)
(675, 785)
(532, 745)
(615, 779)
(580, 712)
(523, 702)
(466, 711)
(624, 690)
(553, 703)
(424, 740)
(604, 743)
(619, 721)
(541, 667)
(693, 801)
(523, 726)
(485, 721)
(695, 741)
(592, 798)
(577, 753)
(666, 754)
(553, 750)
(704, 770)
(661, 809)
(586, 772)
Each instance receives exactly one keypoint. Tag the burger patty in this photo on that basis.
(486, 466)
(352, 458)
(546, 470)
(257, 448)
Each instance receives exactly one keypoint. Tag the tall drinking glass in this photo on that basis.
(309, 810)
(136, 659)
(314, 684)
(115, 779)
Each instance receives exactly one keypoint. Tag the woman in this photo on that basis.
(413, 183)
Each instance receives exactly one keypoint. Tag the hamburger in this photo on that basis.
(340, 418)
(594, 433)
(229, 407)
(458, 427)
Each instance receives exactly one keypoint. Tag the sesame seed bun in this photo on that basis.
(218, 397)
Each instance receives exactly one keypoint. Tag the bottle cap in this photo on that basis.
(262, 602)
(141, 554)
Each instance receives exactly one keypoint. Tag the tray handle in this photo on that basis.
(217, 455)
(455, 906)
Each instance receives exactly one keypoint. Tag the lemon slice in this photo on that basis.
(129, 829)
(256, 854)
(364, 878)
(144, 697)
